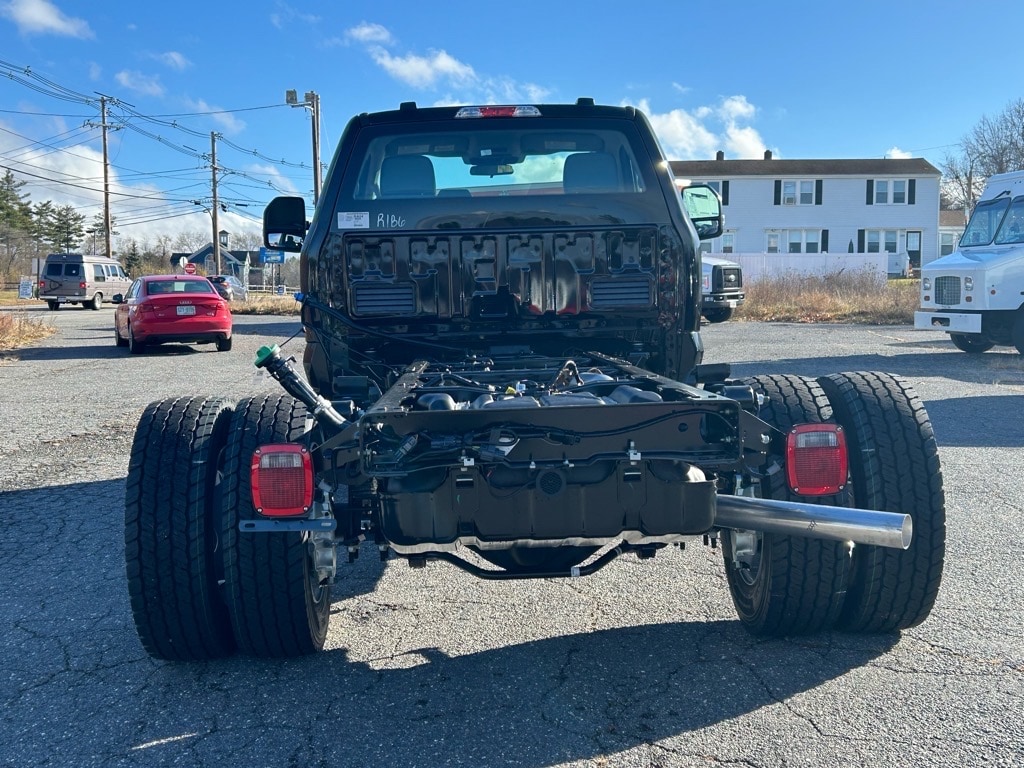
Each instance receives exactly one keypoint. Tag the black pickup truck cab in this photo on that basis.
(503, 371)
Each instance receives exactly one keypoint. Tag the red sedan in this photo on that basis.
(182, 308)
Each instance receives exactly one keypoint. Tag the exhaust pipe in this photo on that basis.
(815, 521)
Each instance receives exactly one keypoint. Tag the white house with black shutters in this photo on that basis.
(823, 206)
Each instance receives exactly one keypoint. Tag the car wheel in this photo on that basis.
(717, 315)
(972, 343)
(277, 604)
(786, 585)
(894, 466)
(118, 339)
(134, 346)
(97, 302)
(53, 305)
(224, 344)
(1017, 333)
(171, 534)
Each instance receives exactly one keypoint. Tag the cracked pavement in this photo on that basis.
(641, 664)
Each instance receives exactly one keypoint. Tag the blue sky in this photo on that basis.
(804, 79)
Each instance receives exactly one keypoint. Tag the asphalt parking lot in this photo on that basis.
(642, 664)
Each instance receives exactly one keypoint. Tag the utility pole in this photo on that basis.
(106, 178)
(213, 214)
(312, 101)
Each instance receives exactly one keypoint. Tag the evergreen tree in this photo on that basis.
(15, 226)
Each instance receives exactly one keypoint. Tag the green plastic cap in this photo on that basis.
(264, 353)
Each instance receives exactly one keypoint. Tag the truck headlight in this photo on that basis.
(926, 283)
(706, 282)
(968, 283)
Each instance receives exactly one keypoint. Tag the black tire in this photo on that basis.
(971, 343)
(134, 347)
(717, 315)
(53, 305)
(224, 345)
(792, 585)
(277, 607)
(894, 466)
(96, 303)
(1017, 332)
(171, 534)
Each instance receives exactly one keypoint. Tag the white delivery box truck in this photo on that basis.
(976, 293)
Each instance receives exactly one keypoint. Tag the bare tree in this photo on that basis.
(190, 241)
(994, 145)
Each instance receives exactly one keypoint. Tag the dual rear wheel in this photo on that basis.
(198, 589)
(784, 585)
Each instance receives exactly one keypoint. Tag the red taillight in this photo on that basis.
(281, 476)
(816, 459)
(82, 285)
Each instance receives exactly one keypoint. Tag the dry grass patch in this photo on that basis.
(839, 297)
(16, 331)
(266, 305)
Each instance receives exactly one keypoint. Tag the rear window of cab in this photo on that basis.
(482, 158)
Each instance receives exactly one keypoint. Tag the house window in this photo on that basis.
(798, 192)
(881, 193)
(803, 240)
(728, 242)
(789, 193)
(806, 193)
(891, 192)
(772, 243)
(878, 240)
(947, 243)
(899, 192)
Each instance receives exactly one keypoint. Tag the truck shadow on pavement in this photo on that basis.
(983, 369)
(563, 698)
(569, 696)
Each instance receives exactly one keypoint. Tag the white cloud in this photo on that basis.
(438, 69)
(140, 83)
(285, 14)
(736, 108)
(43, 17)
(897, 154)
(95, 71)
(699, 133)
(423, 71)
(173, 59)
(369, 33)
(227, 121)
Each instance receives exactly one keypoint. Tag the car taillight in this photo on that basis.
(281, 476)
(816, 459)
(82, 285)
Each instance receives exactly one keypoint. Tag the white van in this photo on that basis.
(73, 278)
(976, 293)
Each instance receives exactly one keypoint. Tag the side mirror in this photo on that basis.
(284, 224)
(705, 210)
(117, 298)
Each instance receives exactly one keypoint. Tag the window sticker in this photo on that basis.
(353, 219)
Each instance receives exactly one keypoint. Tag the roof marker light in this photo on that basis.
(505, 111)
